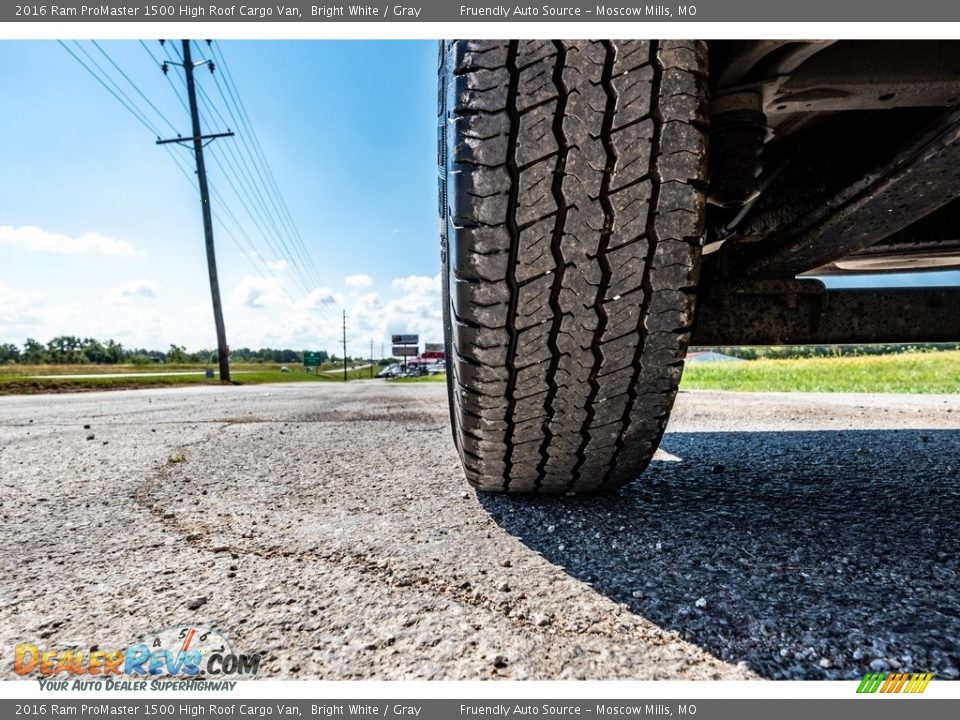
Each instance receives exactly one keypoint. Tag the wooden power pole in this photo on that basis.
(344, 345)
(198, 139)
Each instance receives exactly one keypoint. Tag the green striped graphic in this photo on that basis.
(870, 683)
(894, 682)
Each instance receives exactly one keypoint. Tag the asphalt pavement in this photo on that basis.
(329, 528)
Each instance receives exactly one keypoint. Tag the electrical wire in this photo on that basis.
(160, 64)
(217, 53)
(134, 85)
(128, 104)
(106, 81)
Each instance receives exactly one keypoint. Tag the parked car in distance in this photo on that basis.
(390, 371)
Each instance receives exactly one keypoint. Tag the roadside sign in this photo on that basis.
(433, 356)
(406, 340)
(404, 350)
(311, 359)
(432, 348)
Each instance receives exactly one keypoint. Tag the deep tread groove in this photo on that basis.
(610, 217)
(514, 171)
(558, 259)
(651, 233)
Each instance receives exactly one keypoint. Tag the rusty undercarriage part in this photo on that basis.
(738, 129)
(862, 146)
(921, 177)
(804, 77)
(932, 243)
(804, 312)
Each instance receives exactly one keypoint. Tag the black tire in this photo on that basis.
(572, 214)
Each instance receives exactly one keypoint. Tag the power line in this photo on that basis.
(229, 82)
(240, 184)
(244, 251)
(243, 122)
(232, 174)
(257, 194)
(204, 97)
(128, 104)
(248, 253)
(134, 85)
(117, 92)
(242, 171)
(160, 64)
(247, 207)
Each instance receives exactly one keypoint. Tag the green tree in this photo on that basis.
(93, 351)
(9, 353)
(177, 354)
(65, 349)
(113, 352)
(34, 353)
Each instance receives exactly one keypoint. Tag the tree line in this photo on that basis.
(72, 350)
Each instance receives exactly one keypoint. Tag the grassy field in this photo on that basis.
(927, 372)
(36, 370)
(36, 378)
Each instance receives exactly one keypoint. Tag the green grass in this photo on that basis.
(914, 372)
(16, 383)
(921, 372)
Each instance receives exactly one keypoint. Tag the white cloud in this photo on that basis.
(13, 304)
(321, 297)
(258, 311)
(34, 238)
(258, 292)
(129, 291)
(418, 284)
(358, 281)
(277, 265)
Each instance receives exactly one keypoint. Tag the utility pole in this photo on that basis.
(344, 345)
(371, 358)
(198, 138)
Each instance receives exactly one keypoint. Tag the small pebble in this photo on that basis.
(197, 602)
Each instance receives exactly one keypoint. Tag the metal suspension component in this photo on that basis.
(738, 130)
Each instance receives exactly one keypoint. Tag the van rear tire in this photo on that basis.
(572, 211)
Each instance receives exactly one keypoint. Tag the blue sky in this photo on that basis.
(101, 234)
(349, 130)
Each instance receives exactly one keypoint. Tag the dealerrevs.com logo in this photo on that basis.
(186, 654)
